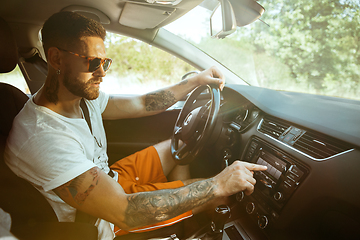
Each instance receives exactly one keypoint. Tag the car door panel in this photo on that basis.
(126, 136)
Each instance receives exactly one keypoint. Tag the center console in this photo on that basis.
(275, 186)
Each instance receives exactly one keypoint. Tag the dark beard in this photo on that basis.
(81, 89)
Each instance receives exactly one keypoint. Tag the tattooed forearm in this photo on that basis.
(79, 188)
(151, 207)
(184, 82)
(159, 100)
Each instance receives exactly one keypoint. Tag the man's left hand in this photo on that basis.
(211, 76)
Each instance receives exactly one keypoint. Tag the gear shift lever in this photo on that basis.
(221, 215)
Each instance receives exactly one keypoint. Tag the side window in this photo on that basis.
(138, 67)
(16, 79)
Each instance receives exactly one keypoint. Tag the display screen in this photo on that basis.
(275, 166)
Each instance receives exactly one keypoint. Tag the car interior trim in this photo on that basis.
(296, 150)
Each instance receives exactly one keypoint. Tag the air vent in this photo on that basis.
(273, 126)
(320, 146)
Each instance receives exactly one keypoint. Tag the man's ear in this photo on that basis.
(54, 57)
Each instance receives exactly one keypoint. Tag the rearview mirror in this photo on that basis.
(222, 20)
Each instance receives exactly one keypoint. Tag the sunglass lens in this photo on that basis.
(94, 64)
(106, 64)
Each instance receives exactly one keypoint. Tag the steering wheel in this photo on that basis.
(194, 125)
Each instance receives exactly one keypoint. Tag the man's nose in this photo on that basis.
(100, 72)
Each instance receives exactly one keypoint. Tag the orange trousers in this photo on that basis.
(143, 172)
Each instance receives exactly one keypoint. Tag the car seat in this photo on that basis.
(32, 216)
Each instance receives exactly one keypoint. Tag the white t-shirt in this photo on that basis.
(48, 150)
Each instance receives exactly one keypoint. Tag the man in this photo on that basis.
(52, 146)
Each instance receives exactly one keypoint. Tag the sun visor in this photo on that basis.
(89, 12)
(144, 16)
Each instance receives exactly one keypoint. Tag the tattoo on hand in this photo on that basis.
(159, 100)
(151, 207)
(75, 188)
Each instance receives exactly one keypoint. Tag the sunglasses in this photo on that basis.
(93, 62)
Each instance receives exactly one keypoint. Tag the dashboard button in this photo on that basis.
(240, 196)
(250, 207)
(278, 196)
(295, 170)
(274, 215)
(263, 222)
(288, 138)
(289, 182)
(254, 145)
(286, 187)
(292, 176)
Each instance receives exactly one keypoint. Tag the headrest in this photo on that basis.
(8, 48)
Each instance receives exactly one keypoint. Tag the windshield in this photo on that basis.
(302, 46)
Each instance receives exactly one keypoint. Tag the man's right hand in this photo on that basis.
(95, 193)
(236, 178)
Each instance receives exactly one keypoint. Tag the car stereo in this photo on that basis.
(274, 186)
(275, 168)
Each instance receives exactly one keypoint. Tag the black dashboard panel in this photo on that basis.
(306, 195)
(336, 117)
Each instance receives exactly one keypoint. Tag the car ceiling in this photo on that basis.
(139, 19)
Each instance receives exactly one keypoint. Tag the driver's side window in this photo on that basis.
(138, 67)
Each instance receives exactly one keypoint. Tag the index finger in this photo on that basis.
(254, 167)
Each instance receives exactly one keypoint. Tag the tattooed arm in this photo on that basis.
(86, 193)
(95, 193)
(158, 101)
(150, 207)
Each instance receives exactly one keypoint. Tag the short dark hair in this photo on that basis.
(65, 29)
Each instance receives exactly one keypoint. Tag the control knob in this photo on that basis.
(240, 196)
(221, 215)
(263, 222)
(278, 196)
(250, 207)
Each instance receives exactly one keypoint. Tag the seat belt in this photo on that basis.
(81, 216)
(86, 113)
(87, 118)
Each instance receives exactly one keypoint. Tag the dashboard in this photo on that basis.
(311, 145)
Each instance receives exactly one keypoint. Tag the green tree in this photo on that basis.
(317, 40)
(147, 63)
(310, 46)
